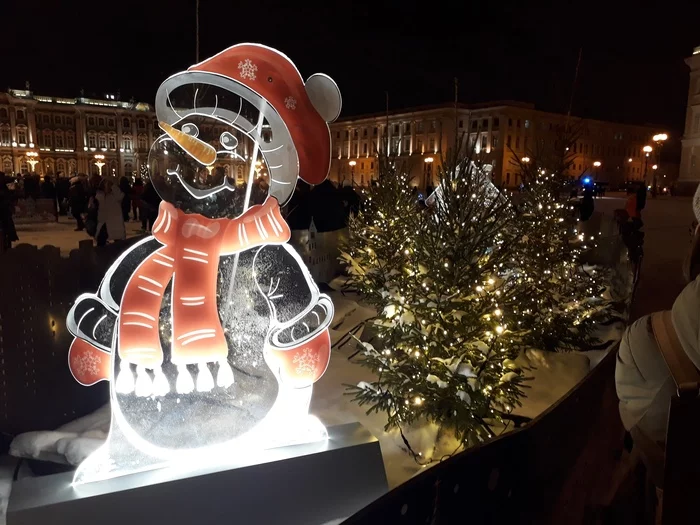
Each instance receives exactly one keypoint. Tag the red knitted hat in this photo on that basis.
(305, 108)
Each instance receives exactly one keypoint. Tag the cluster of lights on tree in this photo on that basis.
(462, 287)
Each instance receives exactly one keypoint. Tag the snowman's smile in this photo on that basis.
(224, 119)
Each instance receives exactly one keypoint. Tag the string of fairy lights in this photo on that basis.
(459, 288)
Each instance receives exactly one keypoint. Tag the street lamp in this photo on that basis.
(525, 159)
(352, 164)
(428, 171)
(32, 159)
(99, 162)
(659, 140)
(646, 150)
(596, 165)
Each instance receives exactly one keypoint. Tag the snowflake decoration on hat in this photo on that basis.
(306, 362)
(290, 103)
(86, 364)
(247, 68)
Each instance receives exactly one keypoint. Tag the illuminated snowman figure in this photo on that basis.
(211, 330)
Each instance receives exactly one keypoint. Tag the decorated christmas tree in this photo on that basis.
(439, 275)
(563, 297)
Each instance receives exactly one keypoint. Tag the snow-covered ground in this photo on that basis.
(60, 234)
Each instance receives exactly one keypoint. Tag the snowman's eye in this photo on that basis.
(228, 141)
(190, 129)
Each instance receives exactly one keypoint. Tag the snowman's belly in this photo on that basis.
(200, 419)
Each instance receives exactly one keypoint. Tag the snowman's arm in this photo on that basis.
(91, 320)
(298, 309)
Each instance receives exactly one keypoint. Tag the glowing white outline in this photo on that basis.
(197, 259)
(137, 323)
(94, 335)
(196, 252)
(197, 338)
(196, 332)
(148, 290)
(149, 280)
(140, 314)
(80, 321)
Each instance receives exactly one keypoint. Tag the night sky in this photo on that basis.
(632, 68)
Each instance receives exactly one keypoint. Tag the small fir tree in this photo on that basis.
(439, 277)
(563, 298)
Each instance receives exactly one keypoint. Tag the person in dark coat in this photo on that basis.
(48, 191)
(641, 197)
(8, 233)
(126, 200)
(350, 198)
(587, 204)
(62, 194)
(136, 193)
(150, 201)
(327, 207)
(298, 209)
(78, 202)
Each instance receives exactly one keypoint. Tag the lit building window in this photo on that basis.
(5, 136)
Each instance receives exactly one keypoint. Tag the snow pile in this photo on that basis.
(70, 443)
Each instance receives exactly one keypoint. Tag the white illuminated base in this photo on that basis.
(288, 423)
(282, 486)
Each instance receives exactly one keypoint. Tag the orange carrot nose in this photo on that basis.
(199, 150)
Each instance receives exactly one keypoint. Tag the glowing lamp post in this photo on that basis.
(596, 165)
(647, 150)
(32, 159)
(428, 170)
(525, 160)
(659, 141)
(352, 164)
(99, 162)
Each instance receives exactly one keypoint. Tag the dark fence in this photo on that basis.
(38, 287)
(554, 470)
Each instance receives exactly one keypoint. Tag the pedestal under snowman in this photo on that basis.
(211, 330)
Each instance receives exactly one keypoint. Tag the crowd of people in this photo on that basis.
(101, 205)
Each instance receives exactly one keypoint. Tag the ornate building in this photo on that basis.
(499, 132)
(690, 154)
(62, 136)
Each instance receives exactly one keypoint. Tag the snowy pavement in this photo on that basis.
(60, 234)
(667, 223)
